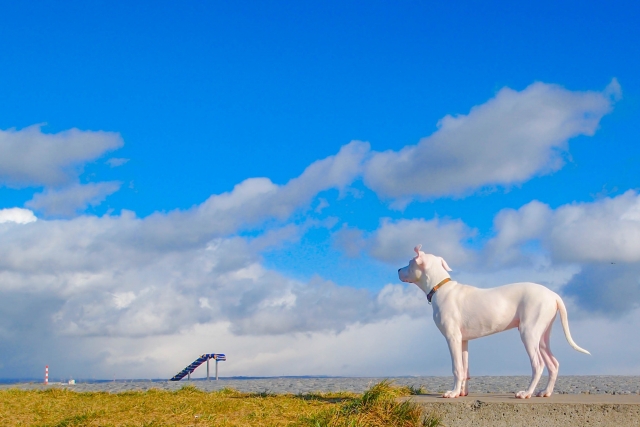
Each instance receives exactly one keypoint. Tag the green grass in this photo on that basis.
(189, 406)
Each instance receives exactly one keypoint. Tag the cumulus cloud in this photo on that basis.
(100, 283)
(360, 349)
(372, 349)
(121, 289)
(514, 228)
(69, 200)
(507, 140)
(254, 201)
(259, 197)
(393, 241)
(606, 230)
(611, 289)
(397, 238)
(319, 305)
(128, 276)
(29, 157)
(602, 237)
(17, 215)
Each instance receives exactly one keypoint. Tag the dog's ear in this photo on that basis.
(419, 260)
(417, 249)
(445, 265)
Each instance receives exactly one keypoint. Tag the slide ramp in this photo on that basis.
(199, 361)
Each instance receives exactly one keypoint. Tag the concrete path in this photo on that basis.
(590, 399)
(559, 410)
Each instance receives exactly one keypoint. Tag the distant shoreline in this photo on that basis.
(571, 384)
(242, 377)
(128, 380)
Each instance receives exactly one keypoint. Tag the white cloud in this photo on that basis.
(69, 200)
(142, 296)
(602, 238)
(393, 241)
(374, 348)
(401, 345)
(606, 230)
(610, 289)
(507, 140)
(254, 201)
(541, 270)
(29, 157)
(127, 276)
(514, 228)
(17, 215)
(404, 299)
(103, 282)
(123, 299)
(602, 231)
(92, 280)
(257, 198)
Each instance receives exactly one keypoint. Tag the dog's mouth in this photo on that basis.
(400, 275)
(403, 275)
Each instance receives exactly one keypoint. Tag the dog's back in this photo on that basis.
(481, 312)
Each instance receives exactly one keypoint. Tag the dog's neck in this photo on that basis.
(428, 282)
(435, 288)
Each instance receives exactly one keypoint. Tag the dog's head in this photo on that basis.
(425, 270)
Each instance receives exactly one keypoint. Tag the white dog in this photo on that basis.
(463, 313)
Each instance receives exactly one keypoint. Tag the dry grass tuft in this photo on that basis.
(378, 406)
(189, 406)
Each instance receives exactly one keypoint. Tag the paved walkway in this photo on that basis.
(589, 399)
(558, 410)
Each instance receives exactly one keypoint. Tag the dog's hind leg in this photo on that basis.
(465, 367)
(552, 363)
(531, 340)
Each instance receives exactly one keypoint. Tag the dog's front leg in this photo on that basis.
(454, 342)
(465, 366)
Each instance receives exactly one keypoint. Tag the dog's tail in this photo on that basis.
(565, 326)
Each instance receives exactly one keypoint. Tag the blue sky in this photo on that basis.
(502, 137)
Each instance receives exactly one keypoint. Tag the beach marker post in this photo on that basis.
(46, 375)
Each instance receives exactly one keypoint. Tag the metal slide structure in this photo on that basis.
(199, 361)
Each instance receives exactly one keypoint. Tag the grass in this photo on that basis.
(189, 406)
(378, 406)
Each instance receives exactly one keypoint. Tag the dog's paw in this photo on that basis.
(544, 393)
(451, 394)
(523, 395)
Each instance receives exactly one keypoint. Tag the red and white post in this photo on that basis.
(46, 375)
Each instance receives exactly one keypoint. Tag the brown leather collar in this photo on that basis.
(436, 287)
